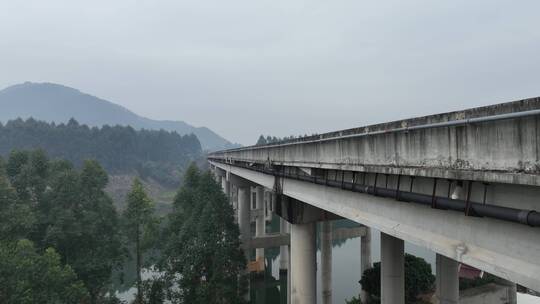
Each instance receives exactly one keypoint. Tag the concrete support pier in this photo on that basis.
(215, 173)
(365, 259)
(244, 217)
(260, 222)
(269, 202)
(225, 186)
(283, 250)
(326, 262)
(392, 270)
(447, 270)
(511, 296)
(289, 278)
(303, 263)
(447, 280)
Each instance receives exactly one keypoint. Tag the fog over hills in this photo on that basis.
(58, 103)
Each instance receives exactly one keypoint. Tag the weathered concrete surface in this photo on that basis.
(283, 239)
(260, 222)
(303, 264)
(392, 270)
(243, 215)
(284, 249)
(365, 259)
(508, 250)
(503, 151)
(447, 282)
(326, 262)
(488, 294)
(270, 241)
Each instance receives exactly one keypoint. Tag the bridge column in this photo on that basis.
(289, 277)
(260, 219)
(392, 270)
(243, 187)
(447, 270)
(225, 185)
(244, 193)
(365, 259)
(283, 250)
(284, 253)
(326, 262)
(447, 280)
(269, 205)
(303, 263)
(511, 297)
(217, 176)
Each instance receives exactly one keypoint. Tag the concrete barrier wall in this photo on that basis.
(503, 151)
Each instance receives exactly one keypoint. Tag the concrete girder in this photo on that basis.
(479, 242)
(270, 241)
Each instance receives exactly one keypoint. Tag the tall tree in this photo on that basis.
(79, 220)
(27, 277)
(202, 248)
(139, 224)
(16, 218)
(55, 206)
(261, 141)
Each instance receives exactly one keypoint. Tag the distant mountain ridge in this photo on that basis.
(58, 103)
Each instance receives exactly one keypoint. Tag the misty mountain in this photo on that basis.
(57, 103)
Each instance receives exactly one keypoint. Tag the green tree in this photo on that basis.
(202, 254)
(353, 300)
(261, 141)
(2, 166)
(16, 219)
(27, 172)
(119, 149)
(418, 279)
(139, 224)
(79, 220)
(28, 277)
(55, 206)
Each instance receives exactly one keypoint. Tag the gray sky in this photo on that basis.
(276, 67)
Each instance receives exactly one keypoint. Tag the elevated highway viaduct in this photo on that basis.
(463, 184)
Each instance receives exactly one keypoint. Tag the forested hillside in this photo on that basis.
(57, 103)
(159, 155)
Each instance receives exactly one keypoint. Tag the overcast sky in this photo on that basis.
(243, 68)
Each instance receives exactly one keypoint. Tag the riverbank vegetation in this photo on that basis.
(61, 237)
(61, 219)
(201, 256)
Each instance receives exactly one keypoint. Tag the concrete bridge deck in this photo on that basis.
(463, 184)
